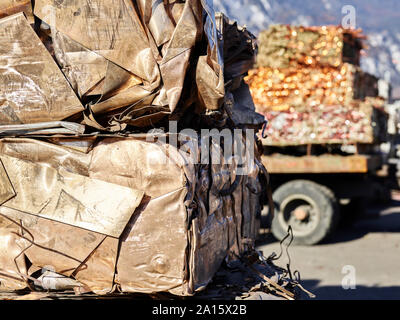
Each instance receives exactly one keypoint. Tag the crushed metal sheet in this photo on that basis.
(83, 68)
(153, 253)
(48, 243)
(41, 152)
(155, 243)
(12, 263)
(80, 144)
(60, 127)
(151, 43)
(6, 188)
(108, 27)
(70, 198)
(33, 89)
(10, 7)
(97, 272)
(128, 214)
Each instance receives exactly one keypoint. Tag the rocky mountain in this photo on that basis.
(380, 20)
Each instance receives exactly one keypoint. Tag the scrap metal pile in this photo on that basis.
(91, 201)
(282, 46)
(310, 87)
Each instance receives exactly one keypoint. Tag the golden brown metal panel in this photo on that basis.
(155, 243)
(150, 167)
(10, 249)
(153, 253)
(83, 68)
(52, 155)
(49, 243)
(32, 88)
(110, 28)
(70, 198)
(98, 270)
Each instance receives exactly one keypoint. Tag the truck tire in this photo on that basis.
(311, 209)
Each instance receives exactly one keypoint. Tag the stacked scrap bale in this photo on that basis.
(310, 87)
(86, 191)
(282, 46)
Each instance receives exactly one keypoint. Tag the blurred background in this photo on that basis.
(361, 258)
(379, 19)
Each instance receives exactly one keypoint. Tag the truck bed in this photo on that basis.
(280, 164)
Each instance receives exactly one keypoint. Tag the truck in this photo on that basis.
(326, 123)
(313, 192)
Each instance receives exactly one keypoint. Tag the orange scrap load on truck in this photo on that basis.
(310, 87)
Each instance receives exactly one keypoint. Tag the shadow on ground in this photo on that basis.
(378, 218)
(359, 293)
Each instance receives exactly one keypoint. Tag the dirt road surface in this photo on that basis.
(364, 257)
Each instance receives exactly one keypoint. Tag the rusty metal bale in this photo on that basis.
(91, 201)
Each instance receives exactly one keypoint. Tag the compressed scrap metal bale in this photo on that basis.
(311, 91)
(136, 56)
(282, 89)
(127, 61)
(119, 214)
(363, 122)
(130, 63)
(329, 124)
(283, 46)
(239, 49)
(104, 210)
(32, 88)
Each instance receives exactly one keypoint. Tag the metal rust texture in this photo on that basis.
(321, 164)
(122, 213)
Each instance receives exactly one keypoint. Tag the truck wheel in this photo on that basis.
(309, 208)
